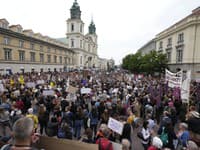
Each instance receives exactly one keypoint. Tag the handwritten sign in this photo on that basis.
(115, 125)
(48, 93)
(1, 88)
(85, 90)
(72, 89)
(30, 84)
(40, 81)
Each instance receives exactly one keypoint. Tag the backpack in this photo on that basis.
(101, 143)
(61, 133)
(164, 137)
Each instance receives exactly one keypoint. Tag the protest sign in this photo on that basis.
(115, 125)
(16, 93)
(49, 143)
(173, 79)
(185, 89)
(72, 89)
(48, 93)
(40, 82)
(1, 88)
(30, 84)
(85, 90)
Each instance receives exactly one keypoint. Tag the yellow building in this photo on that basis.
(24, 50)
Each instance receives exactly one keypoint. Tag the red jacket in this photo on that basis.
(104, 144)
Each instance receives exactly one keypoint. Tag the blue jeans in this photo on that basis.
(78, 125)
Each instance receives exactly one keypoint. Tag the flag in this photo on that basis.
(21, 79)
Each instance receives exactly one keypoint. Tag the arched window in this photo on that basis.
(72, 27)
(72, 42)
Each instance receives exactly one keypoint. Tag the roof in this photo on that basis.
(63, 40)
(195, 12)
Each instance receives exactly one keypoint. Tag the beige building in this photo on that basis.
(24, 50)
(181, 43)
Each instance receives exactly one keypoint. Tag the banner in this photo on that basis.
(115, 125)
(173, 79)
(49, 143)
(185, 89)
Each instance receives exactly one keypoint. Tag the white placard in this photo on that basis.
(30, 84)
(40, 81)
(85, 90)
(48, 93)
(16, 93)
(115, 125)
(1, 88)
(173, 79)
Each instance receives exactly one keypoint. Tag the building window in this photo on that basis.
(169, 53)
(32, 54)
(179, 55)
(7, 54)
(72, 42)
(60, 59)
(72, 27)
(169, 44)
(161, 45)
(41, 48)
(49, 58)
(81, 43)
(6, 40)
(48, 49)
(21, 43)
(89, 47)
(81, 28)
(81, 60)
(41, 57)
(55, 50)
(32, 46)
(21, 55)
(55, 59)
(65, 60)
(181, 38)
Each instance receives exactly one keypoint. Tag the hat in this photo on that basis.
(157, 142)
(30, 110)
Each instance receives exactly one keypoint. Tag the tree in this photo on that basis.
(149, 63)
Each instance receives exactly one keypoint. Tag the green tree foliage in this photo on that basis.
(149, 63)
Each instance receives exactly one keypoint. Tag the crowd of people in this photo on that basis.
(77, 105)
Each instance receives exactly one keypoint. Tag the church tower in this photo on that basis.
(75, 27)
(92, 34)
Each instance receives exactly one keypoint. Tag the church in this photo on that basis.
(84, 45)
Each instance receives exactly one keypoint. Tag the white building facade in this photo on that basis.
(84, 45)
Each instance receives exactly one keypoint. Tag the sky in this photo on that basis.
(123, 26)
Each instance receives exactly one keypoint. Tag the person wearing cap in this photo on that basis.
(33, 117)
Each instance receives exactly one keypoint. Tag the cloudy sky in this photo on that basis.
(123, 26)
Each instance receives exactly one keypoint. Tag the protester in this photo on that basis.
(126, 145)
(103, 142)
(23, 134)
(63, 112)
